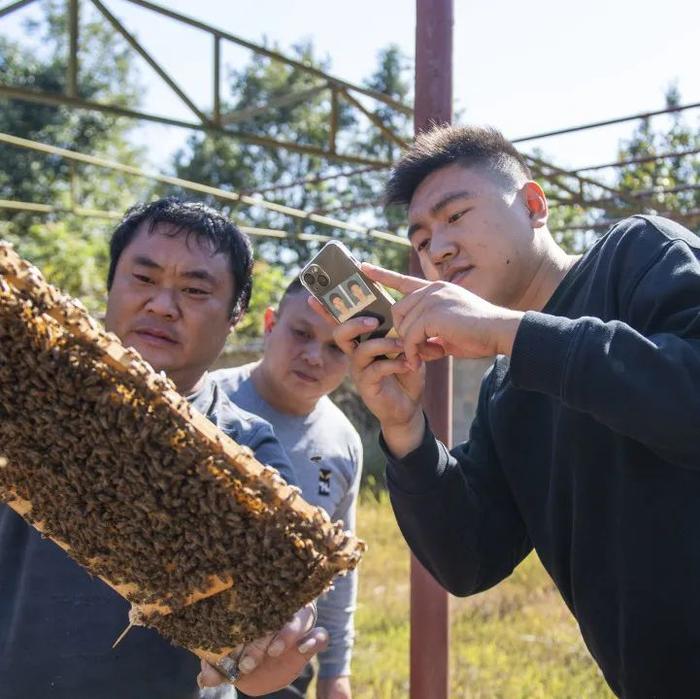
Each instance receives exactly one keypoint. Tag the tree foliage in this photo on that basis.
(269, 282)
(643, 183)
(668, 186)
(244, 167)
(71, 248)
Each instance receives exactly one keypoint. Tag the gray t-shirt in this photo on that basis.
(58, 623)
(326, 455)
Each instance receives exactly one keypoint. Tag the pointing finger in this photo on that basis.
(401, 282)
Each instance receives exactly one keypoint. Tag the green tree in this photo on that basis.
(71, 248)
(269, 282)
(667, 186)
(646, 183)
(230, 164)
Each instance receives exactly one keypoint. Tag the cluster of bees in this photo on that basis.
(112, 464)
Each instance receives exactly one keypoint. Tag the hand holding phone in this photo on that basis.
(390, 390)
(333, 276)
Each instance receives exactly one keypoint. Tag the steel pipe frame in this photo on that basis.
(216, 124)
(33, 207)
(606, 122)
(430, 627)
(281, 101)
(55, 99)
(202, 188)
(646, 193)
(337, 87)
(606, 223)
(164, 76)
(274, 55)
(314, 179)
(638, 161)
(14, 6)
(218, 34)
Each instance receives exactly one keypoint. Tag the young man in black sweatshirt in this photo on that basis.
(586, 442)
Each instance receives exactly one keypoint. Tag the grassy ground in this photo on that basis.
(516, 641)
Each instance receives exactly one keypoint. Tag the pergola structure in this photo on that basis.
(578, 187)
(433, 102)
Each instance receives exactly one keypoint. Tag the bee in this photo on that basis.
(115, 465)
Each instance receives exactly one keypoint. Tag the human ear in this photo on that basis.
(536, 203)
(269, 319)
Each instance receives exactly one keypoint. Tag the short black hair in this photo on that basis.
(443, 145)
(294, 287)
(191, 218)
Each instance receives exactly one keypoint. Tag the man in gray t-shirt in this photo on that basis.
(301, 364)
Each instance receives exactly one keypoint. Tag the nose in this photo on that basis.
(162, 302)
(442, 248)
(313, 353)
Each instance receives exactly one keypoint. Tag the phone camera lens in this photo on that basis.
(323, 279)
(309, 279)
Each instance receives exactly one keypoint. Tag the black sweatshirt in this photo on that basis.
(586, 446)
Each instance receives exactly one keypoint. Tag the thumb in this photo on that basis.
(316, 641)
(433, 348)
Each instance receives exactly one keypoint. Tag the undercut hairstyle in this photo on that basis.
(294, 287)
(191, 219)
(443, 145)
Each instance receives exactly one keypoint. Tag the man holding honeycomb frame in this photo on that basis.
(179, 279)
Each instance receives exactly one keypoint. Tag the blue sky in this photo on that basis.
(522, 67)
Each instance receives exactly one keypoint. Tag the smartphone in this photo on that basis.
(334, 277)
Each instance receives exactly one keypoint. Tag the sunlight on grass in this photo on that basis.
(516, 641)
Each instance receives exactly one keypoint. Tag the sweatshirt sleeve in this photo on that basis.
(456, 511)
(639, 376)
(269, 451)
(336, 609)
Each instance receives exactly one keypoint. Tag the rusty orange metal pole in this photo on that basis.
(430, 629)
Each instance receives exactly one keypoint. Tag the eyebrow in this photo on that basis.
(200, 274)
(146, 262)
(439, 206)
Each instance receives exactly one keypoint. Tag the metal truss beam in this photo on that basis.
(606, 122)
(289, 211)
(274, 55)
(57, 99)
(14, 6)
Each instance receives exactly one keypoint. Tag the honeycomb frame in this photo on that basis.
(210, 547)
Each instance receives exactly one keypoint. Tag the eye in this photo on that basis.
(301, 334)
(194, 291)
(422, 244)
(334, 348)
(143, 278)
(456, 216)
